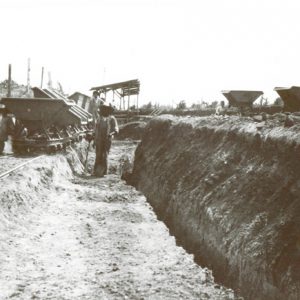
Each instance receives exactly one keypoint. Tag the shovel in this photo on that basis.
(86, 157)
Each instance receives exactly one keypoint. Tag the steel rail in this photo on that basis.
(6, 173)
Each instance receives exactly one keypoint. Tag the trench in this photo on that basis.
(66, 235)
(228, 190)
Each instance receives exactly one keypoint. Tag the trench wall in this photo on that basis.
(230, 193)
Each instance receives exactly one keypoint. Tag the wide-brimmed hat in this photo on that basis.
(96, 93)
(106, 108)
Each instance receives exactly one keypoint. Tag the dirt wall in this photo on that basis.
(228, 189)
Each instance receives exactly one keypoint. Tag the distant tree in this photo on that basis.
(147, 106)
(166, 107)
(204, 104)
(263, 101)
(197, 106)
(278, 101)
(17, 90)
(181, 105)
(214, 104)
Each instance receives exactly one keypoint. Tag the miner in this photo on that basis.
(105, 129)
(94, 105)
(220, 109)
(5, 128)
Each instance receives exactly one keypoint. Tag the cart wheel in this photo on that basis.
(18, 149)
(2, 144)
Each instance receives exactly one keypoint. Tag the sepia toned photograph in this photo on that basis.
(149, 150)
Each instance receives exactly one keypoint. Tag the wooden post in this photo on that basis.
(9, 81)
(113, 100)
(137, 103)
(128, 101)
(42, 77)
(49, 80)
(28, 76)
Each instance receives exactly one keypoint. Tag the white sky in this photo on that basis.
(180, 49)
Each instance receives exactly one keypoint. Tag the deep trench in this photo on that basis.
(67, 235)
(229, 196)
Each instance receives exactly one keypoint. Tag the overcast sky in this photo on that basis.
(179, 49)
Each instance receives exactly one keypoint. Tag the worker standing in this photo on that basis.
(94, 105)
(106, 127)
(5, 128)
(220, 109)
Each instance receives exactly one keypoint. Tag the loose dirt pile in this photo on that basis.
(228, 188)
(77, 237)
(132, 130)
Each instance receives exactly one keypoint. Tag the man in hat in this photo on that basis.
(94, 105)
(106, 127)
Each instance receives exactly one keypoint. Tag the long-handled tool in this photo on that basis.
(86, 157)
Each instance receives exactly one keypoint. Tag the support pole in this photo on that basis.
(9, 81)
(49, 80)
(42, 77)
(28, 76)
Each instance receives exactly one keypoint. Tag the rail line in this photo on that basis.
(6, 173)
(3, 156)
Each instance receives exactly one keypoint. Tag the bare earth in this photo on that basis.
(66, 237)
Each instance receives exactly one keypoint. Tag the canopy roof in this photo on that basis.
(125, 88)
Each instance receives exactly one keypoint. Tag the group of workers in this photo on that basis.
(106, 126)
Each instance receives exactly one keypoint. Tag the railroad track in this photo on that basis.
(6, 155)
(14, 163)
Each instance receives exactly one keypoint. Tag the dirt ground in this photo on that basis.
(78, 237)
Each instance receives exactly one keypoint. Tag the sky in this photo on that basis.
(179, 49)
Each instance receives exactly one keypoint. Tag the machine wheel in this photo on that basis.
(18, 149)
(2, 144)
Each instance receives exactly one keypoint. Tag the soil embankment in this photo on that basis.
(228, 189)
(132, 130)
(64, 236)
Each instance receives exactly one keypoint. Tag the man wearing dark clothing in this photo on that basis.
(105, 128)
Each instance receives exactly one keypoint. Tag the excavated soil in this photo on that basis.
(132, 130)
(228, 188)
(66, 235)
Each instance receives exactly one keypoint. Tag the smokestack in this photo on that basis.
(9, 81)
(42, 77)
(28, 76)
